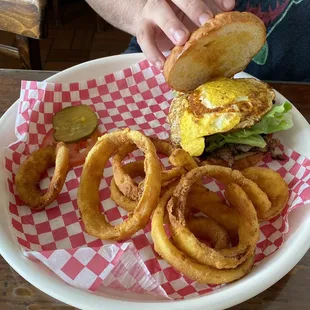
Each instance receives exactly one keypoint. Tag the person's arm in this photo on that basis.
(156, 23)
(123, 14)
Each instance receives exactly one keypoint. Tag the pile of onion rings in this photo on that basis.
(185, 240)
(182, 262)
(212, 239)
(218, 245)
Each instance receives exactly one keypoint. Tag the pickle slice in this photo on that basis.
(74, 123)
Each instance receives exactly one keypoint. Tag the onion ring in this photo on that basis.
(226, 175)
(135, 169)
(183, 263)
(210, 204)
(163, 146)
(202, 199)
(273, 185)
(31, 170)
(88, 191)
(248, 230)
(124, 181)
(180, 158)
(203, 227)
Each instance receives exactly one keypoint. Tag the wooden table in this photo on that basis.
(291, 292)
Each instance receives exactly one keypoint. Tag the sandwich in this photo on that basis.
(215, 116)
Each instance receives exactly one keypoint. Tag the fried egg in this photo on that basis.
(217, 106)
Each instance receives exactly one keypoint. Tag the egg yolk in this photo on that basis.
(224, 91)
(193, 129)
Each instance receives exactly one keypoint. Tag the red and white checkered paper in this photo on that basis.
(139, 98)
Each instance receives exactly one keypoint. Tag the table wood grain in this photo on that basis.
(291, 292)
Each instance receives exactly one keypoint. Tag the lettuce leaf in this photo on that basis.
(277, 119)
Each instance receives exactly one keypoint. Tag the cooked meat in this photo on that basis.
(226, 153)
(273, 148)
(231, 152)
(243, 148)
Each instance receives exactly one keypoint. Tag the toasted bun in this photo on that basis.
(221, 48)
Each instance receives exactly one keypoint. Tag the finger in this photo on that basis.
(216, 8)
(197, 10)
(163, 42)
(163, 16)
(225, 5)
(147, 41)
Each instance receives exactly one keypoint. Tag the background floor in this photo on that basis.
(75, 42)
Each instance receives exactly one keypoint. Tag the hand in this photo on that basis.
(165, 23)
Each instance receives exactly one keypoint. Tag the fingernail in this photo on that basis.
(158, 64)
(228, 4)
(179, 35)
(203, 18)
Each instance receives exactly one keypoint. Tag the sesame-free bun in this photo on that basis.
(222, 47)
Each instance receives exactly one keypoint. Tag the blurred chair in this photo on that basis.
(57, 14)
(101, 24)
(27, 20)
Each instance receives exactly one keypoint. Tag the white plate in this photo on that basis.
(297, 241)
